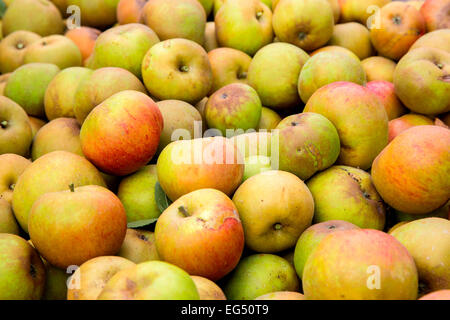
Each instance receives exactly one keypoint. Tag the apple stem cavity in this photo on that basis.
(302, 35)
(72, 187)
(4, 124)
(183, 211)
(397, 20)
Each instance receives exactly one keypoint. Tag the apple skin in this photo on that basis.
(357, 10)
(282, 295)
(421, 81)
(201, 233)
(3, 80)
(22, 273)
(12, 49)
(334, 49)
(90, 278)
(96, 13)
(235, 106)
(129, 11)
(153, 280)
(328, 67)
(59, 99)
(400, 26)
(84, 38)
(41, 17)
(177, 69)
(139, 246)
(35, 124)
(55, 283)
(254, 144)
(255, 165)
(56, 49)
(311, 238)
(308, 142)
(276, 83)
(8, 223)
(346, 193)
(27, 85)
(54, 171)
(411, 173)
(99, 85)
(431, 255)
(187, 19)
(210, 37)
(442, 212)
(385, 91)
(269, 119)
(61, 134)
(228, 66)
(359, 43)
(137, 193)
(11, 168)
(57, 219)
(297, 22)
(439, 39)
(121, 135)
(260, 274)
(379, 68)
(188, 165)
(339, 268)
(270, 225)
(359, 118)
(123, 47)
(15, 129)
(244, 25)
(437, 295)
(400, 124)
(435, 13)
(207, 289)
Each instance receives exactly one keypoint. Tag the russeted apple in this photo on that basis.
(122, 134)
(359, 41)
(96, 13)
(139, 246)
(379, 68)
(207, 289)
(11, 168)
(13, 48)
(400, 124)
(360, 10)
(8, 223)
(201, 233)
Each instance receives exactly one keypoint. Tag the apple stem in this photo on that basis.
(11, 187)
(4, 124)
(72, 187)
(183, 211)
(277, 226)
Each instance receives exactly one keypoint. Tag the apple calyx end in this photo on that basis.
(72, 187)
(4, 124)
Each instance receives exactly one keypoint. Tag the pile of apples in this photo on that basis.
(225, 149)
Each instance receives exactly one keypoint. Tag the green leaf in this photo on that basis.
(141, 223)
(2, 8)
(162, 201)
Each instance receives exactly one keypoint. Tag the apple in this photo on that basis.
(254, 144)
(360, 264)
(121, 134)
(61, 5)
(400, 124)
(55, 287)
(442, 212)
(72, 226)
(178, 116)
(137, 193)
(228, 66)
(308, 143)
(346, 193)
(176, 19)
(411, 173)
(8, 223)
(421, 81)
(177, 69)
(334, 49)
(96, 13)
(51, 172)
(437, 295)
(281, 295)
(400, 26)
(210, 37)
(188, 165)
(235, 106)
(385, 91)
(41, 17)
(311, 238)
(359, 41)
(439, 39)
(359, 118)
(269, 119)
(84, 38)
(276, 82)
(129, 11)
(3, 80)
(97, 86)
(153, 280)
(27, 86)
(59, 99)
(207, 289)
(61, 134)
(416, 3)
(255, 165)
(260, 274)
(22, 273)
(15, 129)
(201, 232)
(435, 13)
(297, 22)
(244, 25)
(270, 225)
(11, 168)
(90, 278)
(13, 48)
(431, 256)
(379, 68)
(360, 10)
(35, 124)
(124, 47)
(139, 246)
(328, 67)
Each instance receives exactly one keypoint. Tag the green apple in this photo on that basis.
(139, 246)
(255, 165)
(11, 168)
(55, 283)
